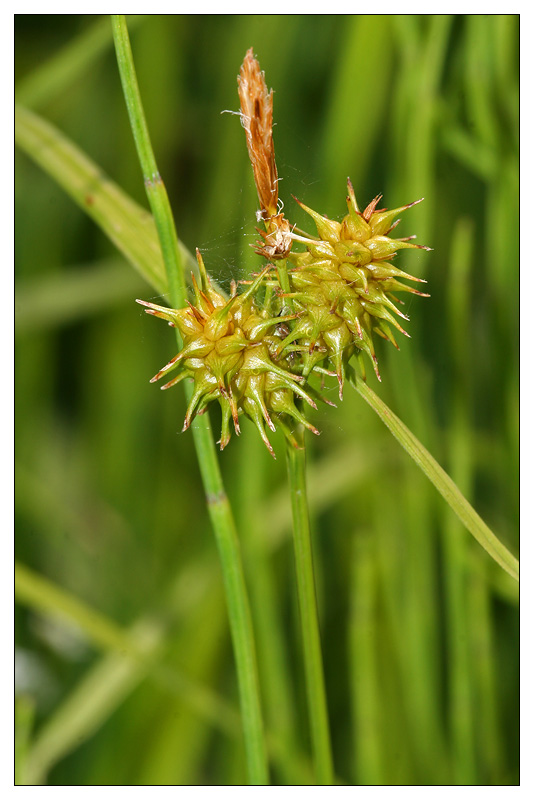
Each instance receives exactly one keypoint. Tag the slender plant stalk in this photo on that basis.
(443, 483)
(217, 501)
(256, 117)
(311, 640)
(313, 664)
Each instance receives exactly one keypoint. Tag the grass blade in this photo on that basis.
(443, 483)
(129, 226)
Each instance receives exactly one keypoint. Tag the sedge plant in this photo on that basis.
(311, 311)
(307, 318)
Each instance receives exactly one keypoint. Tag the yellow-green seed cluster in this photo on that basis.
(227, 351)
(254, 358)
(343, 286)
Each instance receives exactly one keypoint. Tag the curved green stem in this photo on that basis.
(443, 483)
(313, 665)
(217, 501)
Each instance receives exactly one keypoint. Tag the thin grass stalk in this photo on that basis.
(275, 678)
(217, 501)
(256, 116)
(443, 483)
(266, 603)
(313, 663)
(309, 617)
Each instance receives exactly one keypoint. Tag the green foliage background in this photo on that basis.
(420, 629)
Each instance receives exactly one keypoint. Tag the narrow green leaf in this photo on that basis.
(133, 655)
(443, 483)
(33, 590)
(93, 700)
(129, 226)
(309, 614)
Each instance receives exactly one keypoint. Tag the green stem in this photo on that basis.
(309, 618)
(313, 665)
(155, 188)
(443, 483)
(283, 277)
(217, 501)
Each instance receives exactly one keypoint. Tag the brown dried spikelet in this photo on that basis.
(257, 120)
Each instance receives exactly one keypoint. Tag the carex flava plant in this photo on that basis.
(313, 308)
(310, 315)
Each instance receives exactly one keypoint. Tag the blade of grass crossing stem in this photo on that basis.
(218, 505)
(126, 224)
(443, 483)
(313, 664)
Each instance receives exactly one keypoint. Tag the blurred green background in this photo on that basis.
(420, 629)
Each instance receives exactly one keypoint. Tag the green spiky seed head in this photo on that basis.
(344, 286)
(228, 349)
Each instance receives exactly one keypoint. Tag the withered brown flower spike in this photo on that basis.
(257, 120)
